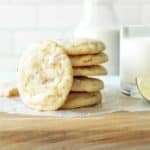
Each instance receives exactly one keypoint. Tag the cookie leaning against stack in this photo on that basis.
(86, 57)
(45, 76)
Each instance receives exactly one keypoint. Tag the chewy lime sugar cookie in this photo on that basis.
(82, 99)
(9, 89)
(82, 46)
(45, 76)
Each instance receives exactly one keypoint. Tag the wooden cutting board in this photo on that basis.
(121, 130)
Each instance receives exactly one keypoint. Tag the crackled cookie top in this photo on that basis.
(82, 46)
(45, 76)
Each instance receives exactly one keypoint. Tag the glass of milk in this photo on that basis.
(134, 57)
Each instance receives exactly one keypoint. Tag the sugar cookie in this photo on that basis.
(82, 46)
(89, 59)
(89, 71)
(9, 89)
(84, 84)
(77, 100)
(45, 76)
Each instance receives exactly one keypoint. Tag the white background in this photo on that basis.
(25, 21)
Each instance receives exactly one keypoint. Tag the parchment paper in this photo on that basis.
(113, 101)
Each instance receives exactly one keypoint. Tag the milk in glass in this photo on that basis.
(134, 56)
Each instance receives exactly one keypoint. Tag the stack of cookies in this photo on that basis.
(60, 75)
(87, 57)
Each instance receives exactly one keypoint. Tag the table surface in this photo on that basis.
(116, 131)
(121, 130)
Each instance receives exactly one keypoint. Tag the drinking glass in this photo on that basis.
(134, 57)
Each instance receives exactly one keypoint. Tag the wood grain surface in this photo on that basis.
(117, 131)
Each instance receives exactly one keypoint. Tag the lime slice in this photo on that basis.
(143, 85)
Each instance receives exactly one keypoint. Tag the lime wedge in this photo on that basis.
(143, 85)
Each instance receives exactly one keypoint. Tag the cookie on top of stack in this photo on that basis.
(87, 57)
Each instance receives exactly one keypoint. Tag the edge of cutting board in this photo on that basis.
(132, 121)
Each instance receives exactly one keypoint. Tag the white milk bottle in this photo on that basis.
(98, 23)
